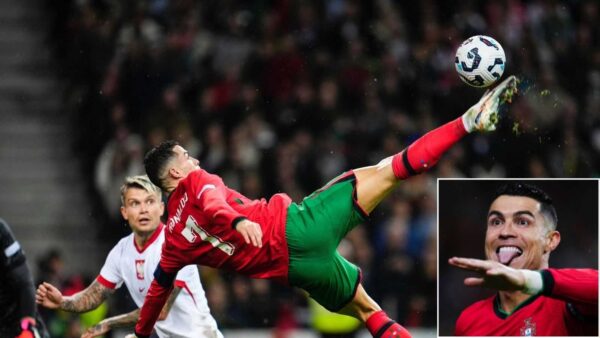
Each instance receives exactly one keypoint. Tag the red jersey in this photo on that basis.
(200, 230)
(568, 306)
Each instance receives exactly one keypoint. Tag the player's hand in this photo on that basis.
(492, 274)
(29, 330)
(48, 296)
(96, 330)
(251, 231)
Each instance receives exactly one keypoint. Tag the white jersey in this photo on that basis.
(126, 263)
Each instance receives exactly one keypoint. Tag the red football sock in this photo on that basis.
(381, 326)
(427, 150)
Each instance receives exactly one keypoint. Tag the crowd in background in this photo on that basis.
(283, 95)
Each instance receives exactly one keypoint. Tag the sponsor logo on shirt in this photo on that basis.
(529, 328)
(139, 269)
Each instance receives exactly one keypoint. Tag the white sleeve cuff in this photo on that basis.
(534, 283)
(468, 126)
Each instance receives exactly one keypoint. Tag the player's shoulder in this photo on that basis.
(126, 240)
(192, 179)
(202, 176)
(123, 244)
(198, 174)
(471, 314)
(199, 180)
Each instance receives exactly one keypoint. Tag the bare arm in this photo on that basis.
(86, 300)
(165, 310)
(127, 319)
(124, 320)
(571, 285)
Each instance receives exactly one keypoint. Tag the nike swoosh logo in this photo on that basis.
(477, 118)
(141, 289)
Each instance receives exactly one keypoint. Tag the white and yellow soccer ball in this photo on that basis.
(480, 61)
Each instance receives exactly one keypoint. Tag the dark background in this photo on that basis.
(277, 95)
(463, 207)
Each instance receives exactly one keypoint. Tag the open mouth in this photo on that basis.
(144, 220)
(506, 254)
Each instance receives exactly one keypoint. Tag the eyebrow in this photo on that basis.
(518, 213)
(150, 196)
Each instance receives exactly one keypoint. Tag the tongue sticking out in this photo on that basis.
(505, 255)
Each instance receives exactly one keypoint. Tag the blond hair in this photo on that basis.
(141, 182)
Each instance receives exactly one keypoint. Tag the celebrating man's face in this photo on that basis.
(517, 235)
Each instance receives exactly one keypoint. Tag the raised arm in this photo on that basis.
(90, 298)
(577, 286)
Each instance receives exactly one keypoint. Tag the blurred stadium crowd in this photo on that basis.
(283, 95)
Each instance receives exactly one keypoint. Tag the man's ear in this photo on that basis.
(552, 241)
(162, 207)
(174, 172)
(124, 213)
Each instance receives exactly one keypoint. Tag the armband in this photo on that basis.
(163, 278)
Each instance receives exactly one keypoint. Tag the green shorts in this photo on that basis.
(314, 230)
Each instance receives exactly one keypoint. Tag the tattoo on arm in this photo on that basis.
(131, 318)
(86, 300)
(124, 320)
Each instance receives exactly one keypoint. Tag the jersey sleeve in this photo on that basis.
(578, 287)
(12, 254)
(17, 274)
(210, 195)
(110, 275)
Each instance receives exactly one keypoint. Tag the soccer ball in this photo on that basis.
(480, 61)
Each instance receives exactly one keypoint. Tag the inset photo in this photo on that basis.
(518, 257)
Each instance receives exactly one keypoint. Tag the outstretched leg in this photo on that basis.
(376, 182)
(377, 322)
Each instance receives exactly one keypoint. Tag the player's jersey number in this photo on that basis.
(192, 231)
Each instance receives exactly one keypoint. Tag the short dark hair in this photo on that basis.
(156, 159)
(528, 190)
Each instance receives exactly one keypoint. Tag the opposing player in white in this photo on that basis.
(132, 262)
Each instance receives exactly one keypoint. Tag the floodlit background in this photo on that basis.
(277, 95)
(463, 209)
